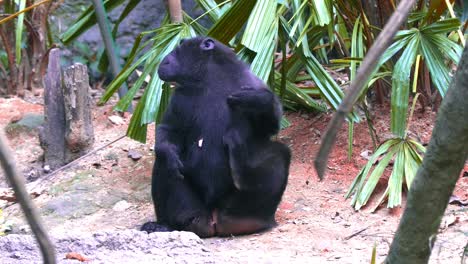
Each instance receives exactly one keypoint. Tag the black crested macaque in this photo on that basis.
(217, 171)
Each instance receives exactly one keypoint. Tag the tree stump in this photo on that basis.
(52, 133)
(68, 130)
(79, 133)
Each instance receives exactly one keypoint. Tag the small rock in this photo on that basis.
(366, 154)
(7, 194)
(336, 214)
(97, 165)
(134, 154)
(121, 206)
(46, 168)
(117, 120)
(25, 229)
(316, 131)
(31, 120)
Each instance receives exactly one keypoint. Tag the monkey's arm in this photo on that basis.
(169, 144)
(261, 107)
(238, 156)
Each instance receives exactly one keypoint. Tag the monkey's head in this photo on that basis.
(193, 58)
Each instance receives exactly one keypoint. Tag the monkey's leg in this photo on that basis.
(177, 206)
(252, 207)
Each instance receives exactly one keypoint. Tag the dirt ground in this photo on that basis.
(108, 191)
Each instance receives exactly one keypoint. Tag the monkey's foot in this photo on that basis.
(151, 227)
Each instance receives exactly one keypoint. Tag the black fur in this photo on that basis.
(217, 172)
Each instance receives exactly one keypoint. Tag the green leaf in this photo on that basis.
(417, 146)
(322, 12)
(412, 162)
(261, 65)
(374, 177)
(358, 182)
(434, 61)
(300, 25)
(258, 31)
(451, 49)
(104, 60)
(284, 123)
(400, 89)
(232, 21)
(19, 32)
(293, 93)
(441, 27)
(213, 9)
(328, 87)
(86, 20)
(136, 130)
(395, 182)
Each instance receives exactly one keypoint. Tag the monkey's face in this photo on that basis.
(187, 62)
(169, 69)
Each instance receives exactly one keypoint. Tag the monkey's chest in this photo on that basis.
(205, 160)
(204, 145)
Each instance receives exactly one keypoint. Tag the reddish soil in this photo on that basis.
(315, 222)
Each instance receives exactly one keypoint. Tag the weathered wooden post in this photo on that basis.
(79, 133)
(52, 133)
(68, 130)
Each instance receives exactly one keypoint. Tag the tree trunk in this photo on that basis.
(437, 176)
(37, 38)
(12, 79)
(175, 10)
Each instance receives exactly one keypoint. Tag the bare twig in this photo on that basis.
(10, 17)
(356, 233)
(17, 183)
(369, 63)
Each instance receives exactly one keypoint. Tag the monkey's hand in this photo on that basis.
(249, 99)
(168, 154)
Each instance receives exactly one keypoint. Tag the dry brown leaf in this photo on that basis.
(77, 256)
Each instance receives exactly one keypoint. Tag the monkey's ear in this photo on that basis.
(207, 44)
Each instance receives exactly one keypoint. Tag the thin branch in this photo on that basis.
(84, 156)
(17, 183)
(369, 63)
(10, 17)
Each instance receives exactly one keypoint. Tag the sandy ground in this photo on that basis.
(110, 191)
